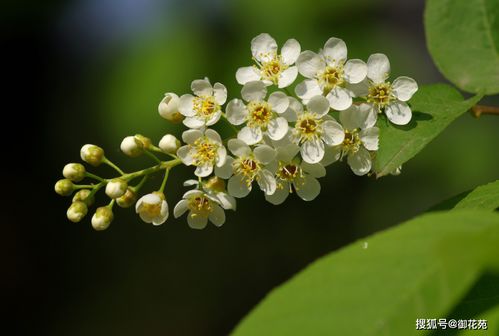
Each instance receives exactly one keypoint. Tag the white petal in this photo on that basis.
(287, 77)
(308, 189)
(221, 156)
(319, 105)
(186, 104)
(163, 215)
(370, 138)
(333, 133)
(217, 216)
(278, 101)
(220, 93)
(180, 208)
(264, 153)
(213, 135)
(378, 68)
(307, 89)
(184, 153)
(225, 171)
(335, 51)
(227, 201)
(288, 152)
(236, 112)
(331, 155)
(263, 47)
(312, 151)
(277, 128)
(280, 194)
(247, 74)
(196, 221)
(237, 186)
(190, 136)
(250, 135)
(254, 91)
(339, 98)
(399, 113)
(355, 71)
(360, 89)
(214, 118)
(204, 170)
(192, 193)
(239, 147)
(266, 182)
(360, 162)
(290, 51)
(316, 169)
(404, 87)
(370, 115)
(309, 64)
(190, 183)
(193, 122)
(202, 87)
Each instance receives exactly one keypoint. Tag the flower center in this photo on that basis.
(272, 69)
(308, 126)
(200, 205)
(205, 151)
(351, 144)
(248, 167)
(289, 172)
(380, 94)
(260, 114)
(330, 78)
(206, 106)
(152, 209)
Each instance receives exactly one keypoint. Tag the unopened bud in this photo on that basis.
(64, 187)
(128, 199)
(77, 211)
(74, 172)
(83, 195)
(146, 142)
(102, 218)
(92, 154)
(169, 144)
(168, 108)
(116, 188)
(131, 146)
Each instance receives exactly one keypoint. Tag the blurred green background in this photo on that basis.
(94, 71)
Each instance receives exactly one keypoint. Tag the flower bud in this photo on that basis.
(215, 184)
(102, 218)
(74, 172)
(83, 196)
(146, 142)
(128, 199)
(92, 154)
(77, 211)
(168, 108)
(169, 144)
(64, 187)
(116, 188)
(131, 146)
(152, 208)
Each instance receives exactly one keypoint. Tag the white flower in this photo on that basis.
(249, 166)
(271, 67)
(168, 107)
(261, 117)
(390, 97)
(204, 109)
(330, 74)
(215, 187)
(152, 208)
(360, 137)
(293, 173)
(201, 207)
(116, 188)
(204, 150)
(314, 129)
(132, 146)
(169, 144)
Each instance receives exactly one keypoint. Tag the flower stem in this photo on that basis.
(158, 150)
(141, 183)
(152, 156)
(154, 169)
(112, 165)
(95, 177)
(163, 184)
(478, 110)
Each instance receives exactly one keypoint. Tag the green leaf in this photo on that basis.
(382, 284)
(435, 107)
(484, 197)
(463, 39)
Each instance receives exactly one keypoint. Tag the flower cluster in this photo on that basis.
(282, 142)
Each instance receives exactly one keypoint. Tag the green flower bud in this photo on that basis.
(131, 146)
(128, 199)
(64, 187)
(77, 211)
(169, 144)
(116, 188)
(102, 218)
(168, 108)
(92, 154)
(83, 196)
(74, 172)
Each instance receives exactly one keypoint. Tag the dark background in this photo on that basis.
(93, 71)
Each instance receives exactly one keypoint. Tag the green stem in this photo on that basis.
(83, 186)
(112, 165)
(95, 177)
(141, 183)
(154, 169)
(95, 189)
(152, 156)
(163, 184)
(158, 150)
(111, 203)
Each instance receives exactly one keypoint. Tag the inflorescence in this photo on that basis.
(281, 142)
